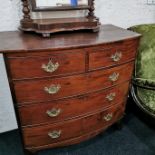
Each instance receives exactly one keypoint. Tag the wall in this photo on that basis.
(122, 13)
(7, 116)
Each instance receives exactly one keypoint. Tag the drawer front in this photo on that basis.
(51, 112)
(114, 55)
(47, 65)
(44, 135)
(103, 119)
(51, 89)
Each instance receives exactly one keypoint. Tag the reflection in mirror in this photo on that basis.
(59, 3)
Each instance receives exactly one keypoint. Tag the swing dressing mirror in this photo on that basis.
(52, 24)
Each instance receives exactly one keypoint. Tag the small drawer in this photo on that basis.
(34, 91)
(114, 55)
(51, 112)
(103, 119)
(46, 64)
(55, 133)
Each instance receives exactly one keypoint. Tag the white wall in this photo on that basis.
(7, 116)
(123, 13)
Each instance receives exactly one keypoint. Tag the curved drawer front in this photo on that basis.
(50, 89)
(114, 55)
(69, 108)
(44, 135)
(47, 64)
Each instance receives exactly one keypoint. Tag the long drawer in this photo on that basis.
(55, 111)
(44, 135)
(55, 88)
(46, 64)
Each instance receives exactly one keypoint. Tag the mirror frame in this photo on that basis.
(59, 8)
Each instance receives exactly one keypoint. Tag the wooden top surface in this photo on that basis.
(16, 41)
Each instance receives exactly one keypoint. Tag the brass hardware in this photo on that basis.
(111, 96)
(108, 117)
(114, 77)
(116, 57)
(50, 67)
(53, 112)
(53, 89)
(54, 134)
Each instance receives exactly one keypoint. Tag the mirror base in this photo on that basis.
(48, 26)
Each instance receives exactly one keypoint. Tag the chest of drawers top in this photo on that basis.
(11, 42)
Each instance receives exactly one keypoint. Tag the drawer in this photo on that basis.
(112, 56)
(47, 64)
(51, 112)
(33, 91)
(55, 133)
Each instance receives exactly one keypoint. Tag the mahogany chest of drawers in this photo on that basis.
(70, 87)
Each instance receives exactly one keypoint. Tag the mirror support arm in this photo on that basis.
(91, 10)
(26, 11)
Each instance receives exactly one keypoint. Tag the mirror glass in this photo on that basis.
(61, 3)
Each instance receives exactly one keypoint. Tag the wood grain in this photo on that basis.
(38, 136)
(102, 57)
(71, 108)
(31, 66)
(68, 142)
(33, 90)
(83, 74)
(17, 42)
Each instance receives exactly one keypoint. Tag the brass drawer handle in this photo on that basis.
(54, 112)
(114, 77)
(116, 57)
(53, 89)
(111, 96)
(108, 117)
(54, 134)
(50, 67)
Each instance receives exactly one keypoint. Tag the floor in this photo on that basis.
(135, 138)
